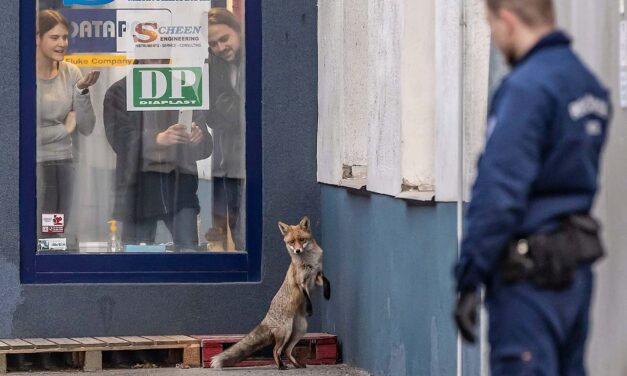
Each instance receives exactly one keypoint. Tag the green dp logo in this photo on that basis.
(165, 87)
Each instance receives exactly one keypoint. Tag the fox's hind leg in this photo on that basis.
(281, 337)
(279, 342)
(298, 331)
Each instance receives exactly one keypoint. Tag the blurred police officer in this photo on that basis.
(529, 237)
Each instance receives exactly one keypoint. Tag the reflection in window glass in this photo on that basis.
(140, 126)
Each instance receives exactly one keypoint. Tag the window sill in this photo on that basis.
(357, 183)
(413, 197)
(418, 197)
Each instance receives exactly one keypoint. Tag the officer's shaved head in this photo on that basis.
(516, 25)
(531, 12)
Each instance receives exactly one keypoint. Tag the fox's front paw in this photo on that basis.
(326, 288)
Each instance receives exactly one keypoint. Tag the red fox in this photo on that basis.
(286, 321)
(299, 241)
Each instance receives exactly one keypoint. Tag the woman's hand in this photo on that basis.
(175, 134)
(88, 80)
(196, 136)
(70, 122)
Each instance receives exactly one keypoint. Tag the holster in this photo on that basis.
(550, 260)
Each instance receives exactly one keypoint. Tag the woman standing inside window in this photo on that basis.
(64, 105)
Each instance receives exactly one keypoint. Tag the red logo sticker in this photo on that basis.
(52, 223)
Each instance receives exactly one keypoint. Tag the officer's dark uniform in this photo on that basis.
(547, 125)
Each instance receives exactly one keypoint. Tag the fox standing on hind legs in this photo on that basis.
(286, 320)
(306, 255)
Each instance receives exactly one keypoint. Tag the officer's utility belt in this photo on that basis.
(550, 260)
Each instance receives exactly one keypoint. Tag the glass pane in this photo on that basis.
(140, 126)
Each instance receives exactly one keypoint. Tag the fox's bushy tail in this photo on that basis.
(259, 338)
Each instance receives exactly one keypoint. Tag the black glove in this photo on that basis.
(466, 314)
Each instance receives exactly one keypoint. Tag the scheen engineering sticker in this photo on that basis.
(142, 33)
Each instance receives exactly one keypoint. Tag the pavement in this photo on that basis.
(335, 370)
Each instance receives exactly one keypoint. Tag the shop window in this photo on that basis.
(140, 142)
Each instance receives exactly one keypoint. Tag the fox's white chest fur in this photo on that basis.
(309, 264)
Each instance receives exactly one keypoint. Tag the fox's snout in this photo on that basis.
(298, 251)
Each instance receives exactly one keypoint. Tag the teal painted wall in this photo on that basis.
(390, 266)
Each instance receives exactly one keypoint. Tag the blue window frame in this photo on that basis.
(139, 268)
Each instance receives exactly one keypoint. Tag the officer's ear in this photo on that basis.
(510, 21)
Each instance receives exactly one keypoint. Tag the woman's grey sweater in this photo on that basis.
(55, 99)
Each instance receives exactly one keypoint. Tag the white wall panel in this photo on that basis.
(390, 88)
(418, 95)
(330, 90)
(384, 96)
(355, 126)
(448, 105)
(476, 80)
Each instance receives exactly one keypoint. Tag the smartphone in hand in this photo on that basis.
(185, 118)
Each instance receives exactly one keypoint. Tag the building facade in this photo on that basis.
(369, 119)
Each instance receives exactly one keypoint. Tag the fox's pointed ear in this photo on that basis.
(283, 227)
(304, 223)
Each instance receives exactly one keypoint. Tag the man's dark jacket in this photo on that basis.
(546, 129)
(150, 180)
(225, 118)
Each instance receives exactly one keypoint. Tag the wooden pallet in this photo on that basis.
(314, 348)
(90, 348)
